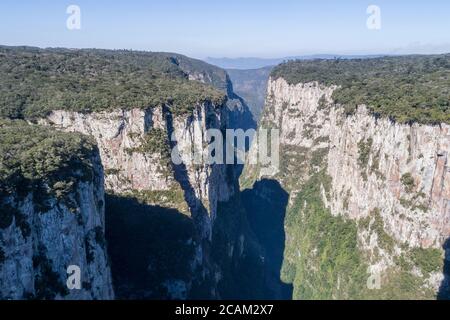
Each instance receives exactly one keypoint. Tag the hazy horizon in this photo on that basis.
(232, 29)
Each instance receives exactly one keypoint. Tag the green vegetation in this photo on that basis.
(416, 202)
(322, 102)
(408, 182)
(250, 175)
(45, 162)
(400, 284)
(318, 157)
(404, 89)
(375, 167)
(34, 82)
(364, 148)
(173, 198)
(384, 239)
(428, 260)
(324, 261)
(112, 172)
(154, 141)
(322, 257)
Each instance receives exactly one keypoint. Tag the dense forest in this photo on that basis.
(34, 81)
(41, 160)
(405, 89)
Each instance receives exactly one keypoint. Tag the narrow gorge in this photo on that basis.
(359, 207)
(172, 231)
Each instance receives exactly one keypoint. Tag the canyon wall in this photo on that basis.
(167, 223)
(136, 149)
(387, 182)
(43, 237)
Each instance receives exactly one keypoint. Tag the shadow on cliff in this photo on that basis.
(198, 210)
(266, 206)
(148, 246)
(444, 291)
(240, 117)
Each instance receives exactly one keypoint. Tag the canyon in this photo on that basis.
(358, 199)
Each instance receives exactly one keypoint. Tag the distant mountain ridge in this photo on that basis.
(251, 85)
(257, 63)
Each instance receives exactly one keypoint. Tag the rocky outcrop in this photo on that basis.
(400, 169)
(119, 135)
(135, 148)
(42, 242)
(382, 173)
(136, 145)
(138, 148)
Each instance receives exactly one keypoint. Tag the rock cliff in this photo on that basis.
(135, 148)
(166, 222)
(389, 183)
(53, 221)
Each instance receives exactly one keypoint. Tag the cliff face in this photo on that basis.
(390, 181)
(135, 148)
(41, 237)
(166, 223)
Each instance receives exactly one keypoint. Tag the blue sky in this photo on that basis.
(232, 28)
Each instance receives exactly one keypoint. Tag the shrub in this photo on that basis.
(35, 82)
(384, 239)
(318, 157)
(39, 160)
(428, 260)
(405, 89)
(322, 103)
(364, 149)
(156, 141)
(408, 182)
(323, 247)
(112, 172)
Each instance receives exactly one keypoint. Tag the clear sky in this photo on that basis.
(231, 28)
